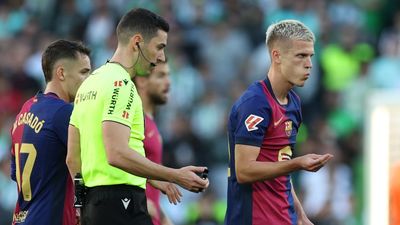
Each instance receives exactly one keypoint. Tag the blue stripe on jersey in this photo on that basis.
(291, 209)
(239, 214)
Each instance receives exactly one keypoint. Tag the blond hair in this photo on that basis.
(288, 30)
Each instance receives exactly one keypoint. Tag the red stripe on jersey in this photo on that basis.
(69, 213)
(16, 136)
(153, 148)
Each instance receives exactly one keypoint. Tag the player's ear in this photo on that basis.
(60, 73)
(276, 56)
(135, 40)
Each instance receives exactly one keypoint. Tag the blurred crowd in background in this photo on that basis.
(216, 48)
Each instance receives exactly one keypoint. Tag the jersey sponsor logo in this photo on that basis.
(81, 97)
(285, 154)
(288, 127)
(276, 123)
(252, 121)
(125, 115)
(126, 202)
(113, 102)
(130, 100)
(118, 83)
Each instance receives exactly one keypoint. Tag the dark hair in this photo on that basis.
(61, 49)
(141, 21)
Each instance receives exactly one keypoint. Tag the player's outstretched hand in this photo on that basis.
(171, 190)
(314, 162)
(187, 178)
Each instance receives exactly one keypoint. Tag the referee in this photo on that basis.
(106, 131)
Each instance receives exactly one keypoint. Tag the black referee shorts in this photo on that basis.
(115, 205)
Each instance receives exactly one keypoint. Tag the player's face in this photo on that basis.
(75, 72)
(153, 51)
(158, 84)
(296, 62)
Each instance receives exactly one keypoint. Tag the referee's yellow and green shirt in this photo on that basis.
(108, 94)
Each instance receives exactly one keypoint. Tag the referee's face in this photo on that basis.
(152, 52)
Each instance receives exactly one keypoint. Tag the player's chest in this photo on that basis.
(283, 125)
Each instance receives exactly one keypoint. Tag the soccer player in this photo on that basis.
(262, 128)
(106, 131)
(39, 139)
(153, 90)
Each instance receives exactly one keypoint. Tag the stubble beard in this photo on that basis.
(158, 99)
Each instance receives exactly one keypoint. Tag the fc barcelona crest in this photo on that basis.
(288, 128)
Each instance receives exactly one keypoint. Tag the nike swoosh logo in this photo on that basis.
(277, 122)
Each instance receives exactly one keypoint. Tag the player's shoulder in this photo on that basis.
(45, 107)
(111, 75)
(26, 107)
(58, 108)
(113, 69)
(253, 95)
(28, 103)
(48, 102)
(55, 103)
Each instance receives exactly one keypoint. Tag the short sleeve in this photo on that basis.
(119, 101)
(12, 164)
(73, 119)
(12, 167)
(252, 119)
(61, 122)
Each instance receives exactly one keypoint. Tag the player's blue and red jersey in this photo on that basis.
(39, 148)
(153, 148)
(257, 119)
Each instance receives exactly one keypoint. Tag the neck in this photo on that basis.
(57, 89)
(148, 106)
(123, 57)
(279, 85)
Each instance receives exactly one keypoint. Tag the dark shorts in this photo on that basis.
(117, 205)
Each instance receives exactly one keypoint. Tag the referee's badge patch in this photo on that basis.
(252, 121)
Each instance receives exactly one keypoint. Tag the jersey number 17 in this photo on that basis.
(23, 182)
